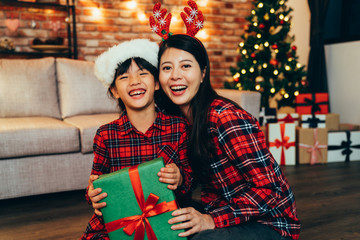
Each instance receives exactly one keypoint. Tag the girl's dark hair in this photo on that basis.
(124, 67)
(201, 148)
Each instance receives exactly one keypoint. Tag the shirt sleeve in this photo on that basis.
(101, 163)
(242, 143)
(95, 229)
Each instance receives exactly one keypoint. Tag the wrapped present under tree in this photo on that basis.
(313, 121)
(281, 142)
(312, 103)
(312, 145)
(343, 146)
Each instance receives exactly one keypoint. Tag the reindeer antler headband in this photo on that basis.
(160, 22)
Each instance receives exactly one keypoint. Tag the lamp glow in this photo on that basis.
(131, 5)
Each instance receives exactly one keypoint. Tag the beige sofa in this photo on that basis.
(49, 112)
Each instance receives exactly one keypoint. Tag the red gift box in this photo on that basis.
(309, 103)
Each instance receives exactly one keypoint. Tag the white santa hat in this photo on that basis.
(107, 63)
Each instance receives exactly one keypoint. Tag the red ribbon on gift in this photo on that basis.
(315, 149)
(287, 119)
(283, 143)
(149, 208)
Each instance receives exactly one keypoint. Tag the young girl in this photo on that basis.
(244, 193)
(142, 133)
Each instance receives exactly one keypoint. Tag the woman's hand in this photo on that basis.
(95, 196)
(191, 219)
(170, 174)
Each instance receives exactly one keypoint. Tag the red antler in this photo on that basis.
(193, 19)
(161, 27)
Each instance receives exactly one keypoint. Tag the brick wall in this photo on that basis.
(224, 20)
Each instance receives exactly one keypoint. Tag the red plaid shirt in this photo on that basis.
(118, 145)
(247, 183)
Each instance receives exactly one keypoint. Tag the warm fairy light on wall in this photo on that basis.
(131, 5)
(202, 3)
(174, 19)
(142, 17)
(96, 14)
(202, 35)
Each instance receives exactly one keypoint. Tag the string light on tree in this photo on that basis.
(268, 56)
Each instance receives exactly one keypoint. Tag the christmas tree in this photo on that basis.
(267, 60)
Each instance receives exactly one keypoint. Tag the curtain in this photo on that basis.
(316, 75)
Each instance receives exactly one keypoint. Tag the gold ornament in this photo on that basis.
(259, 79)
(281, 76)
(289, 39)
(266, 17)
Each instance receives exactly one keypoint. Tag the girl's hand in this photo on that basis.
(192, 220)
(170, 174)
(95, 196)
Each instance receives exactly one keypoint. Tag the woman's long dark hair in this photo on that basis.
(124, 67)
(201, 148)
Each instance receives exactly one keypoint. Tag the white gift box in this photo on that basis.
(320, 119)
(288, 118)
(343, 146)
(282, 138)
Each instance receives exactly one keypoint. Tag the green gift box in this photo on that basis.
(137, 203)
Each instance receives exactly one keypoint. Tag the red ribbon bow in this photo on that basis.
(149, 208)
(287, 119)
(283, 143)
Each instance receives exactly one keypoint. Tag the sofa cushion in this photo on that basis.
(80, 92)
(36, 136)
(88, 124)
(28, 88)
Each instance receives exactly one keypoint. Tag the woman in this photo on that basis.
(244, 193)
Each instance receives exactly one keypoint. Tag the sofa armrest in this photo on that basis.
(248, 100)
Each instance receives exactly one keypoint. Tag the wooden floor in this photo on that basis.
(327, 196)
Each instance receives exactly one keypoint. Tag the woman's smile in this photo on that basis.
(180, 76)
